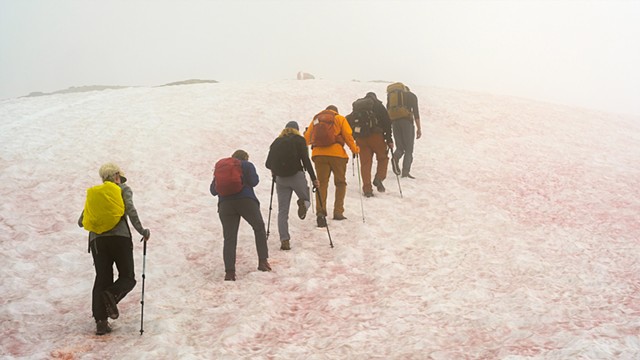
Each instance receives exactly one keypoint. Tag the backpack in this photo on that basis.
(103, 208)
(283, 156)
(227, 175)
(324, 133)
(396, 103)
(362, 118)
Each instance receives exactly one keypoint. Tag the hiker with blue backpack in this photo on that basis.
(107, 208)
(233, 181)
(288, 158)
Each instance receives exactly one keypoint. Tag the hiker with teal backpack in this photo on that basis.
(233, 181)
(107, 208)
(288, 158)
(402, 106)
(371, 128)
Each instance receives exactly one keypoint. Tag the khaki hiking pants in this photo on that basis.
(325, 166)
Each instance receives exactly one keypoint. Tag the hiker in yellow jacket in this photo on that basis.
(327, 134)
(105, 214)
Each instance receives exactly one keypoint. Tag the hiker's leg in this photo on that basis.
(103, 264)
(379, 147)
(366, 160)
(121, 249)
(284, 201)
(301, 187)
(323, 172)
(398, 137)
(339, 168)
(410, 137)
(230, 220)
(250, 211)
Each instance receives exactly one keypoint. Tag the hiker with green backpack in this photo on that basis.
(106, 210)
(402, 106)
(371, 128)
(288, 158)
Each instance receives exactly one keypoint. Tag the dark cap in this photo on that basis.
(293, 125)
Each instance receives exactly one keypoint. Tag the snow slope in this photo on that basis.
(520, 237)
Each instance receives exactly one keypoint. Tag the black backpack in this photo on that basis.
(283, 156)
(362, 118)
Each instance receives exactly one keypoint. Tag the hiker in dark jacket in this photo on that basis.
(288, 174)
(244, 205)
(377, 142)
(113, 246)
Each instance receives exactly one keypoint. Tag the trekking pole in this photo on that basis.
(315, 190)
(273, 181)
(144, 262)
(395, 171)
(360, 187)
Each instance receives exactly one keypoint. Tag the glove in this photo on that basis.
(146, 234)
(316, 184)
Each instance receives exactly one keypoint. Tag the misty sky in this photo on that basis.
(583, 53)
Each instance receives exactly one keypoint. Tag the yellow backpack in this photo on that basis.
(396, 102)
(103, 208)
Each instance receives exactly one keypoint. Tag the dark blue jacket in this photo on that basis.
(249, 179)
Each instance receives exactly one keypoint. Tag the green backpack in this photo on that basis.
(396, 105)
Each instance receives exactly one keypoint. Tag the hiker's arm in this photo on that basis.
(418, 128)
(212, 188)
(130, 209)
(306, 162)
(250, 175)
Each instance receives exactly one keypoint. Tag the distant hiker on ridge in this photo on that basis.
(287, 159)
(327, 134)
(105, 214)
(233, 181)
(402, 105)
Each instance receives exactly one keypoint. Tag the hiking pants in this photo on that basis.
(106, 251)
(373, 144)
(230, 212)
(285, 186)
(325, 165)
(404, 134)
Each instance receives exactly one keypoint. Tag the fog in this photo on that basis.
(581, 53)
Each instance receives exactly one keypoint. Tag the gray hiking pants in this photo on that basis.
(404, 134)
(285, 186)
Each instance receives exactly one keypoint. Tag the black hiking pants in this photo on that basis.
(230, 212)
(106, 251)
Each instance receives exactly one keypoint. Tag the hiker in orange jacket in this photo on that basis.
(329, 156)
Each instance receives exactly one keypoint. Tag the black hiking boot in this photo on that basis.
(230, 276)
(378, 184)
(110, 305)
(368, 194)
(322, 221)
(408, 176)
(339, 217)
(263, 265)
(302, 209)
(284, 245)
(102, 327)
